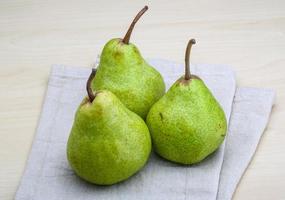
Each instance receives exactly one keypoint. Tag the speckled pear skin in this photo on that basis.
(187, 123)
(123, 71)
(108, 143)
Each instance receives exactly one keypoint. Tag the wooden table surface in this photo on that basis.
(249, 35)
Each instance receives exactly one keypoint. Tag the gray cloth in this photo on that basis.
(49, 177)
(250, 114)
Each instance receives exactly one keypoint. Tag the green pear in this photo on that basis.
(187, 123)
(123, 71)
(108, 143)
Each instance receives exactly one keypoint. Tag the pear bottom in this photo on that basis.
(186, 154)
(105, 164)
(186, 147)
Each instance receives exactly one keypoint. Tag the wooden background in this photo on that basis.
(249, 35)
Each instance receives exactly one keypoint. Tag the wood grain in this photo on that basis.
(34, 34)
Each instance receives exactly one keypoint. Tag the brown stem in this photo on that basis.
(127, 37)
(187, 59)
(90, 93)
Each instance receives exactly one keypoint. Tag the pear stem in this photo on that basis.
(90, 93)
(187, 59)
(127, 37)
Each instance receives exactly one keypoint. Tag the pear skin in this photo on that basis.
(187, 123)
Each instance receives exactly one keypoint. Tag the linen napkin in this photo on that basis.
(48, 175)
(250, 114)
